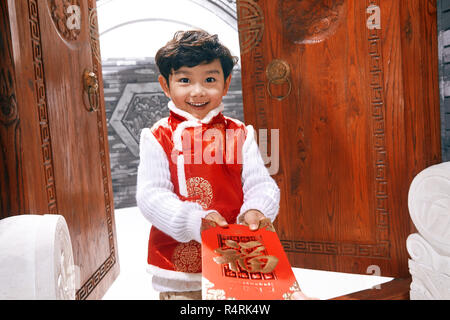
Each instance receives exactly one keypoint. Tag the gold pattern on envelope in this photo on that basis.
(213, 294)
(294, 288)
(249, 256)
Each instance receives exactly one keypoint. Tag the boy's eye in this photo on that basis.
(210, 79)
(184, 80)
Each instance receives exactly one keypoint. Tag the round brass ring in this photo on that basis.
(91, 89)
(279, 98)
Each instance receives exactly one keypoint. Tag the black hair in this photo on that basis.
(192, 48)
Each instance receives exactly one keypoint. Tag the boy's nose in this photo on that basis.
(198, 90)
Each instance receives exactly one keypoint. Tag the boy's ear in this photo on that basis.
(164, 85)
(227, 85)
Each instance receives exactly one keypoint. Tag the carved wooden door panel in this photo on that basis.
(351, 86)
(61, 124)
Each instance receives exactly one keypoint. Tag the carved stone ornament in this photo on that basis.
(37, 258)
(66, 15)
(140, 105)
(429, 207)
(310, 21)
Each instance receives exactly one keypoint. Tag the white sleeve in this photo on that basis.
(155, 197)
(260, 190)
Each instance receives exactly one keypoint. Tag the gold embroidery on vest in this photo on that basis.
(201, 190)
(187, 257)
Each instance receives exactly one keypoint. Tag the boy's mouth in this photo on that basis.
(197, 104)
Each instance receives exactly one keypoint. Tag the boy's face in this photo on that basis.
(197, 90)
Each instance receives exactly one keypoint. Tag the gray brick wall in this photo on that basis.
(134, 100)
(444, 74)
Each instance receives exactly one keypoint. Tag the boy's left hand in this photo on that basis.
(252, 218)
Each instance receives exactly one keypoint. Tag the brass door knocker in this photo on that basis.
(278, 72)
(90, 83)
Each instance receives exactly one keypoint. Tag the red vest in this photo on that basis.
(215, 186)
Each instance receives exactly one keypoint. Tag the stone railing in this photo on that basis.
(36, 258)
(429, 207)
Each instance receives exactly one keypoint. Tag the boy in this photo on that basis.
(197, 164)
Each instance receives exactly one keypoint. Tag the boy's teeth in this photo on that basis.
(198, 104)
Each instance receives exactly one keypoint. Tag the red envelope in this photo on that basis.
(245, 265)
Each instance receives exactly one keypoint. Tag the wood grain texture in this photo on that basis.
(31, 152)
(353, 131)
(397, 289)
(63, 147)
(11, 183)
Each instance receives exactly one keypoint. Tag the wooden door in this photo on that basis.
(59, 136)
(352, 88)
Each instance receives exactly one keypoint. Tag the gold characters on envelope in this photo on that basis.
(249, 256)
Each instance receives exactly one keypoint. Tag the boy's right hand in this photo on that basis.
(218, 219)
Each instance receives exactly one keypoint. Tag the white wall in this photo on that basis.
(138, 28)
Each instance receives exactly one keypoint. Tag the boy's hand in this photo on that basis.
(252, 219)
(218, 219)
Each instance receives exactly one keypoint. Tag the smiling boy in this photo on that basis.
(174, 191)
(197, 90)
